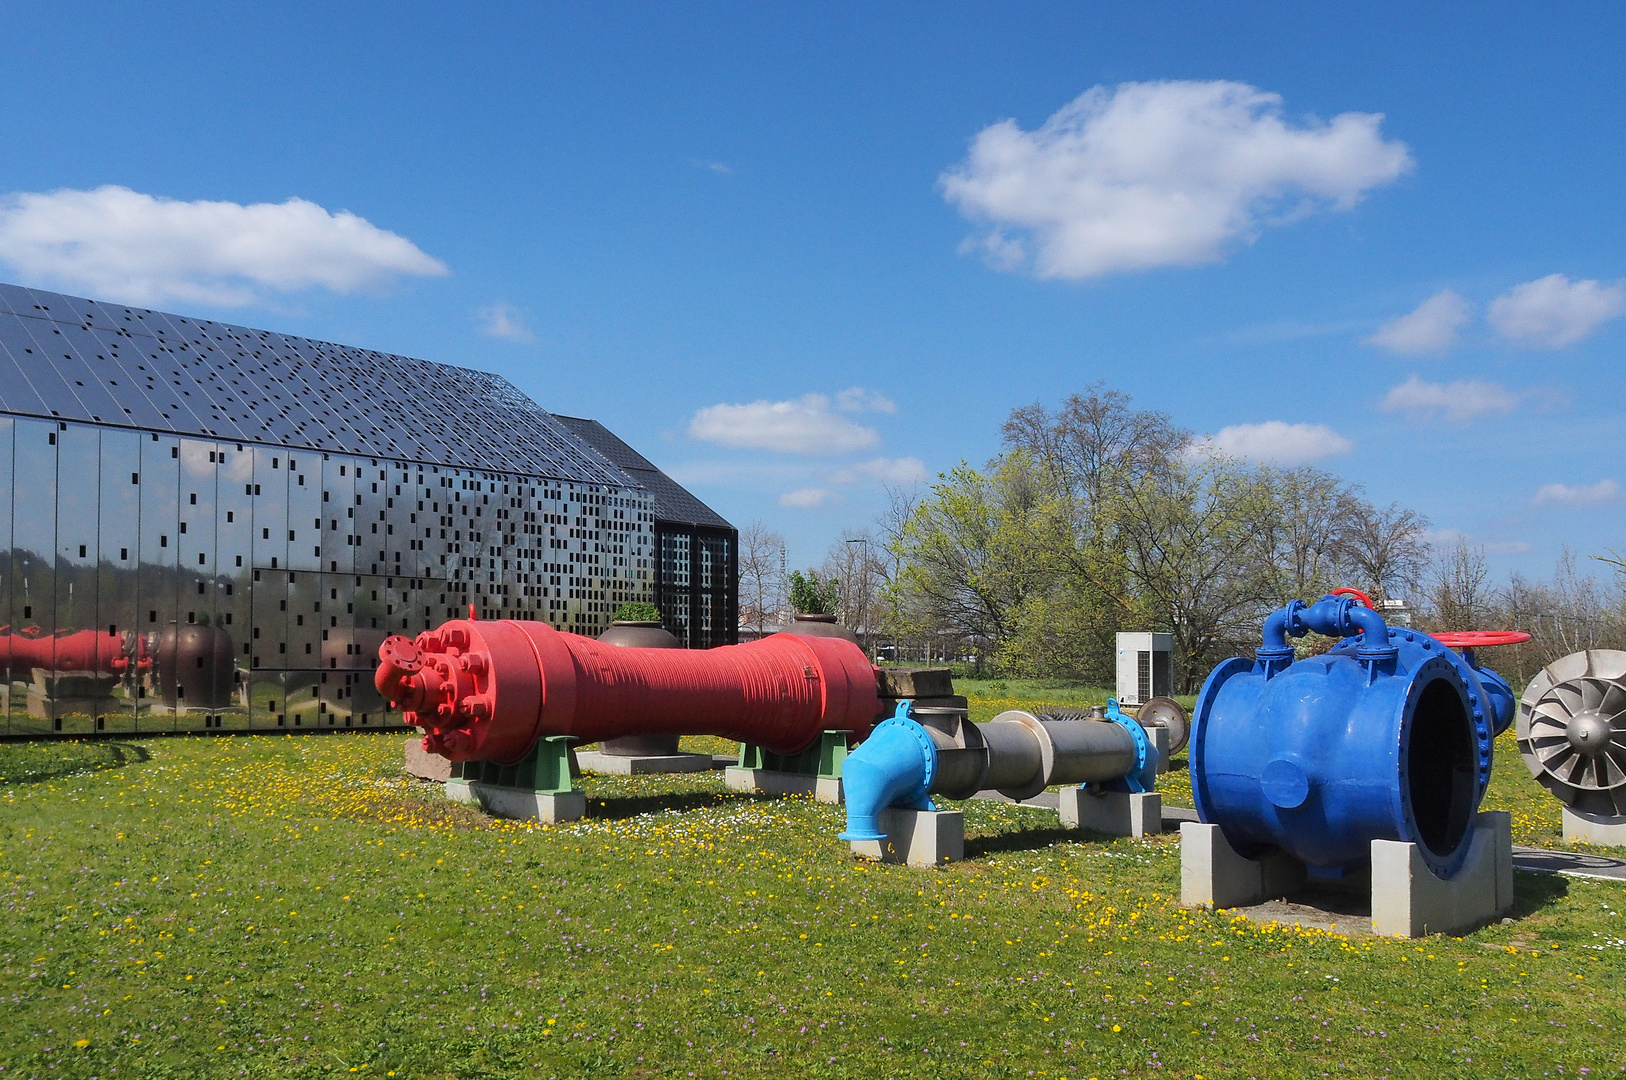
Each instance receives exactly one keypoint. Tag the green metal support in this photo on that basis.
(821, 758)
(545, 768)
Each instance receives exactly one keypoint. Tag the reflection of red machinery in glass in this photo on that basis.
(77, 651)
(72, 671)
(188, 666)
(195, 666)
(486, 691)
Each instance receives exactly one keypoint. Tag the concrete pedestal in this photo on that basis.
(922, 838)
(1594, 828)
(640, 764)
(518, 803)
(769, 782)
(1408, 901)
(1116, 813)
(1213, 875)
(1160, 744)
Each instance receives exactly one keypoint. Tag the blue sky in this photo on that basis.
(790, 255)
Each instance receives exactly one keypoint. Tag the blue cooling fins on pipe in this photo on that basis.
(1386, 736)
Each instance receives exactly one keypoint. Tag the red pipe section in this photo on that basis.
(487, 690)
(80, 650)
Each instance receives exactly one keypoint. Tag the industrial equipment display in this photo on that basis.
(261, 502)
(488, 690)
(1572, 731)
(1388, 735)
(912, 756)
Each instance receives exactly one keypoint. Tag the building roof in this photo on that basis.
(672, 501)
(76, 359)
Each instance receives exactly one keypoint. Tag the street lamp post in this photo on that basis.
(863, 565)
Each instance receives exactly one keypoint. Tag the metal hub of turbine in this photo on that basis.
(1572, 730)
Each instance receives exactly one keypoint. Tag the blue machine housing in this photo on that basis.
(1386, 736)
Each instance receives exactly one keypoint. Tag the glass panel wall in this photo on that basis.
(33, 576)
(153, 582)
(116, 578)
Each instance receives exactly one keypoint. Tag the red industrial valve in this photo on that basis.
(487, 690)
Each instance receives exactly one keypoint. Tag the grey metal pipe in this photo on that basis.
(1019, 754)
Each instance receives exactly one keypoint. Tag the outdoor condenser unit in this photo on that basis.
(1143, 667)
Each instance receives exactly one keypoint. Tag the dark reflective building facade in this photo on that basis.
(209, 527)
(696, 552)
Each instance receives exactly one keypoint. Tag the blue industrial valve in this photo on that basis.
(1385, 736)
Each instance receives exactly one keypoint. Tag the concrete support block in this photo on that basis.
(1408, 901)
(640, 764)
(1594, 828)
(1160, 743)
(770, 782)
(518, 803)
(1213, 875)
(1117, 813)
(922, 838)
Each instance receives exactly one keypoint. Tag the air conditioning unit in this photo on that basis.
(1143, 667)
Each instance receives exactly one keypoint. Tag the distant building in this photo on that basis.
(204, 526)
(696, 583)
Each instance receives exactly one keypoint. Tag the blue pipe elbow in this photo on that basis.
(1499, 696)
(893, 767)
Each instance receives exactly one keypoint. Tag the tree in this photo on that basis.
(1387, 548)
(1458, 597)
(762, 578)
(1301, 519)
(1189, 542)
(966, 554)
(811, 596)
(637, 611)
(857, 573)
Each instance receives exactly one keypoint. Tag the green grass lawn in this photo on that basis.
(282, 906)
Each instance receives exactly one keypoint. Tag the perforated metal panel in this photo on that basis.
(69, 358)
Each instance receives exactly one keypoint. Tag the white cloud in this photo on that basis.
(1432, 328)
(120, 244)
(504, 321)
(1460, 400)
(1274, 442)
(718, 167)
(808, 498)
(1554, 311)
(1443, 538)
(858, 399)
(909, 470)
(1142, 175)
(1601, 492)
(805, 425)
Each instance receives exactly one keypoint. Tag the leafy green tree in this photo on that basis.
(637, 611)
(811, 595)
(966, 553)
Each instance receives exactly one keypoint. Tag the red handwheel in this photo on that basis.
(1356, 593)
(1480, 639)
